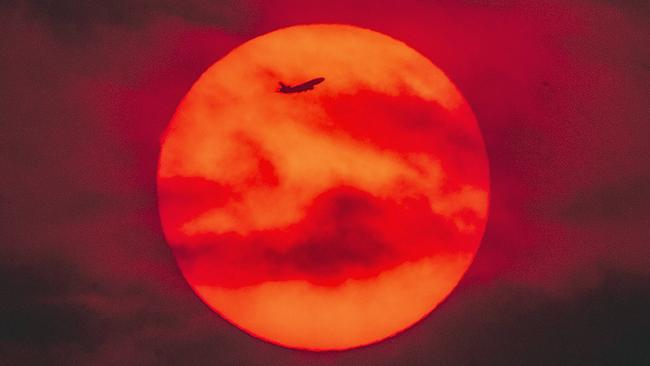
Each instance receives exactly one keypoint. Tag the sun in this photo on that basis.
(329, 218)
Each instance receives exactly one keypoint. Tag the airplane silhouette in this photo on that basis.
(307, 85)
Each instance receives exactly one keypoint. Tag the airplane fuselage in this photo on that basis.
(308, 85)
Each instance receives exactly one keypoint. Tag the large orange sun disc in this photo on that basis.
(330, 218)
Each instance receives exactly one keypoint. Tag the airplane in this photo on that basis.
(307, 85)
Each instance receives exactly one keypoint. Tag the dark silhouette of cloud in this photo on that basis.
(74, 18)
(35, 309)
(57, 313)
(616, 201)
(346, 233)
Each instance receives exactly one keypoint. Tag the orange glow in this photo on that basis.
(331, 218)
(356, 312)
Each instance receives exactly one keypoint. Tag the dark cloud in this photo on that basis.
(513, 325)
(626, 201)
(74, 18)
(338, 237)
(35, 310)
(53, 312)
(345, 233)
(635, 8)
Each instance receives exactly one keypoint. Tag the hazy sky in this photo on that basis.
(560, 90)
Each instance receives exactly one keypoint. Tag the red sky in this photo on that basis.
(560, 91)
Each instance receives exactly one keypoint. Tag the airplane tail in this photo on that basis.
(281, 86)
